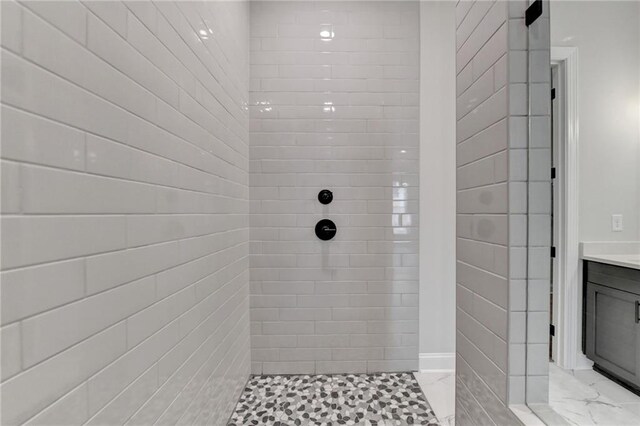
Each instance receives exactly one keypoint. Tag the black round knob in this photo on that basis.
(326, 229)
(325, 196)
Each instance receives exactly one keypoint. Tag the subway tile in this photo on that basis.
(137, 363)
(392, 365)
(69, 17)
(303, 314)
(540, 102)
(12, 26)
(112, 269)
(404, 353)
(289, 367)
(145, 12)
(518, 98)
(146, 322)
(539, 61)
(323, 341)
(540, 132)
(26, 394)
(495, 47)
(32, 290)
(35, 90)
(53, 331)
(333, 367)
(483, 34)
(489, 112)
(47, 238)
(486, 284)
(488, 199)
(70, 409)
(537, 362)
(109, 46)
(518, 34)
(49, 48)
(539, 34)
(476, 12)
(353, 354)
(44, 190)
(501, 72)
(479, 91)
(114, 14)
(126, 403)
(305, 354)
(10, 338)
(11, 187)
(32, 139)
(116, 160)
(490, 141)
(288, 327)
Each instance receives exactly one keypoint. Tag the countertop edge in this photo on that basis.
(611, 261)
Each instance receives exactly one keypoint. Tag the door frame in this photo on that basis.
(567, 312)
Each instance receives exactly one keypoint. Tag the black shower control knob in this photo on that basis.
(325, 196)
(326, 229)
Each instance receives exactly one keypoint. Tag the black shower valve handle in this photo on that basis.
(326, 229)
(325, 196)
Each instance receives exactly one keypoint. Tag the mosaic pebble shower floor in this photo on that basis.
(340, 399)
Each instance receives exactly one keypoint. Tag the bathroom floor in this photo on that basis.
(345, 399)
(586, 397)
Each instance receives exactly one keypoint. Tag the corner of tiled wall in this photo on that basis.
(539, 210)
(529, 215)
(518, 200)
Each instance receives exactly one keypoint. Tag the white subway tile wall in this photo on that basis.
(125, 201)
(484, 261)
(334, 104)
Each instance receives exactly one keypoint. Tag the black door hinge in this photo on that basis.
(533, 12)
(553, 173)
(553, 93)
(553, 251)
(552, 329)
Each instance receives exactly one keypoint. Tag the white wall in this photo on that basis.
(124, 212)
(437, 184)
(607, 37)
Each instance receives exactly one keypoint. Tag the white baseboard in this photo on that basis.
(437, 362)
(583, 363)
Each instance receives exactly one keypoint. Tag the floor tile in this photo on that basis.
(440, 390)
(341, 399)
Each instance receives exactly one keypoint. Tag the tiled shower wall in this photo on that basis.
(503, 210)
(482, 272)
(484, 261)
(125, 211)
(334, 104)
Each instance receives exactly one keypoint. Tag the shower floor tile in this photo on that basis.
(339, 399)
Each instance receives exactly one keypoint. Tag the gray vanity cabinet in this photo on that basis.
(612, 322)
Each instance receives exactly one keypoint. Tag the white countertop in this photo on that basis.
(625, 254)
(625, 260)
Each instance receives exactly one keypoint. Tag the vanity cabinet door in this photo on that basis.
(613, 331)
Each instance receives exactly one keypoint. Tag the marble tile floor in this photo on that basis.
(341, 399)
(584, 397)
(440, 390)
